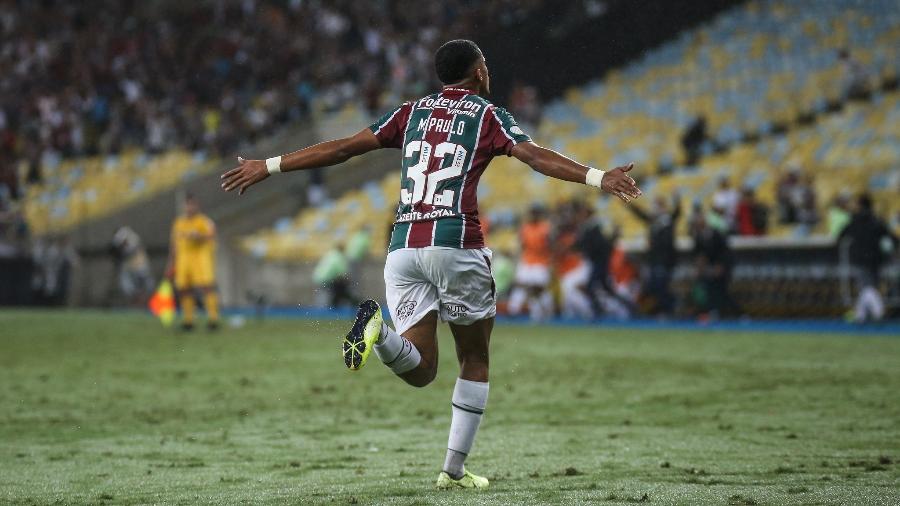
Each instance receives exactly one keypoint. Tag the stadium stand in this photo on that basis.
(773, 81)
(78, 189)
(103, 93)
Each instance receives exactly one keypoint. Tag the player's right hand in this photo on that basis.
(618, 183)
(245, 175)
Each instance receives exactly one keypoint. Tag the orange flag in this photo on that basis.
(162, 304)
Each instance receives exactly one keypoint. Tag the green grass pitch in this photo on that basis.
(110, 409)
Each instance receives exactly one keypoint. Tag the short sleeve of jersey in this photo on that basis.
(503, 132)
(389, 129)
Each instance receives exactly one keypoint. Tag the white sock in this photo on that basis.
(396, 351)
(469, 400)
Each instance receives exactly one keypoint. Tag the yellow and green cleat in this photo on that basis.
(366, 330)
(468, 480)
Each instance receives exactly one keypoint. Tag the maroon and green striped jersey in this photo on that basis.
(447, 140)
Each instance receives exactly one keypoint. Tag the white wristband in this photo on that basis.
(594, 177)
(273, 164)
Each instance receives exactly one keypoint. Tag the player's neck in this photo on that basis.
(463, 86)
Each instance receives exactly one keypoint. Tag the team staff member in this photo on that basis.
(191, 262)
(533, 272)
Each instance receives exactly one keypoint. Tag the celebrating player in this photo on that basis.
(191, 255)
(437, 263)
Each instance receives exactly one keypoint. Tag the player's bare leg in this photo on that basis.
(469, 400)
(472, 343)
(423, 335)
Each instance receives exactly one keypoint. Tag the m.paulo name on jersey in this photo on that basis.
(447, 140)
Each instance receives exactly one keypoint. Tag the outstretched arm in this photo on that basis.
(550, 163)
(324, 154)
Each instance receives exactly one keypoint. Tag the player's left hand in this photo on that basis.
(245, 175)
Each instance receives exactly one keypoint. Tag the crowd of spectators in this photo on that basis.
(94, 77)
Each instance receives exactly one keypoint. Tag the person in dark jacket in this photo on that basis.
(597, 247)
(713, 260)
(867, 235)
(661, 254)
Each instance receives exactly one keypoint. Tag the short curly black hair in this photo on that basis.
(454, 59)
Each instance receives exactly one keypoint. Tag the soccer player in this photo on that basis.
(191, 260)
(437, 265)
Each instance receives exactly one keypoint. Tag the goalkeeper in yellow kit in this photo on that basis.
(191, 263)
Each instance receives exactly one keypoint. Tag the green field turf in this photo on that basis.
(110, 409)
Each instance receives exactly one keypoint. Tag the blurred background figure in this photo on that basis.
(333, 273)
(133, 266)
(54, 260)
(358, 247)
(725, 202)
(693, 138)
(596, 248)
(626, 281)
(532, 283)
(797, 202)
(524, 101)
(870, 244)
(661, 254)
(856, 77)
(713, 263)
(752, 217)
(192, 264)
(504, 269)
(839, 213)
(571, 268)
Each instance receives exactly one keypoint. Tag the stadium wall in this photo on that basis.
(772, 278)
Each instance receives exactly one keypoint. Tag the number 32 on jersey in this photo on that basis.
(424, 186)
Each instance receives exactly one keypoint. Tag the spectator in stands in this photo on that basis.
(316, 193)
(101, 76)
(523, 102)
(725, 202)
(797, 201)
(133, 265)
(661, 253)
(692, 140)
(856, 78)
(9, 180)
(787, 195)
(532, 281)
(870, 241)
(805, 201)
(713, 262)
(752, 216)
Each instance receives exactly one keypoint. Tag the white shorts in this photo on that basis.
(532, 274)
(456, 282)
